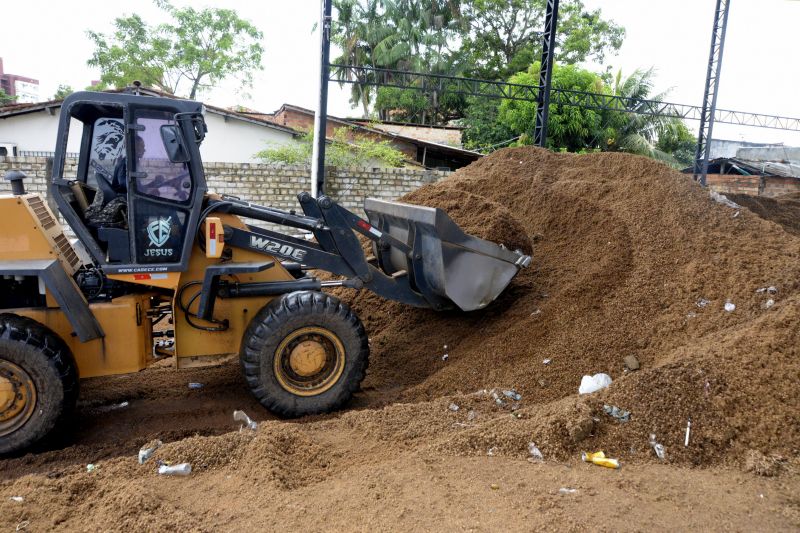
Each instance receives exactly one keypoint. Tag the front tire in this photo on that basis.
(304, 353)
(38, 382)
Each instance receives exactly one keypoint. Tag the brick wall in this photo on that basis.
(734, 184)
(770, 186)
(272, 185)
(776, 186)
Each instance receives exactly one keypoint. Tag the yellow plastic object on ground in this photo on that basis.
(600, 459)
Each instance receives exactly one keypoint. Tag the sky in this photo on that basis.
(47, 41)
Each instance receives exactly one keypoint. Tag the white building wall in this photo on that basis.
(36, 132)
(237, 141)
(234, 141)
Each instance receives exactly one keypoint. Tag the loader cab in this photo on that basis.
(134, 195)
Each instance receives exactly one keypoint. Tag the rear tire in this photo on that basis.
(38, 382)
(304, 353)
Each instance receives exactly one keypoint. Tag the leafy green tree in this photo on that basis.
(570, 128)
(674, 138)
(6, 99)
(62, 92)
(358, 33)
(503, 37)
(638, 133)
(404, 35)
(198, 49)
(483, 131)
(345, 149)
(491, 39)
(406, 104)
(577, 129)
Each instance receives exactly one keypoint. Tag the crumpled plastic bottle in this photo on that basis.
(182, 469)
(590, 384)
(241, 416)
(535, 453)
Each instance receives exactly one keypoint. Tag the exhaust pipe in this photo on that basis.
(16, 177)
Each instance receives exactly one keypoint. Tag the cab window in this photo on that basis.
(157, 176)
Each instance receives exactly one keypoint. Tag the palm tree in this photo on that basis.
(632, 132)
(408, 35)
(360, 31)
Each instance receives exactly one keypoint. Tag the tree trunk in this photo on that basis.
(196, 83)
(364, 102)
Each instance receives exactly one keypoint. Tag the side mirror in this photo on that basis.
(174, 144)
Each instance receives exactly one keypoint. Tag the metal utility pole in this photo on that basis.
(712, 88)
(321, 116)
(545, 72)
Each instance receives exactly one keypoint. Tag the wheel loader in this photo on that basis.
(162, 267)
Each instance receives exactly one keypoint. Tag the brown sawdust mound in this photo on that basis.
(625, 248)
(783, 210)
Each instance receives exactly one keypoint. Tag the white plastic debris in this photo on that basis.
(688, 429)
(547, 361)
(491, 451)
(241, 416)
(565, 490)
(512, 394)
(182, 469)
(730, 306)
(769, 303)
(471, 416)
(702, 302)
(18, 499)
(538, 311)
(446, 356)
(535, 453)
(771, 289)
(113, 407)
(90, 467)
(617, 413)
(658, 448)
(195, 385)
(590, 384)
(453, 407)
(147, 453)
(721, 199)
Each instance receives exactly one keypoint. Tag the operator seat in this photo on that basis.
(107, 218)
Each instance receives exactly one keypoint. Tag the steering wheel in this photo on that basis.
(180, 183)
(104, 180)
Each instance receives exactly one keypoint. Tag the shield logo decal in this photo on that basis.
(158, 231)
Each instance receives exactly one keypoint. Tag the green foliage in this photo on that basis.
(482, 128)
(406, 104)
(198, 47)
(6, 99)
(502, 37)
(675, 138)
(295, 153)
(576, 129)
(345, 149)
(490, 39)
(63, 91)
(570, 128)
(404, 35)
(637, 133)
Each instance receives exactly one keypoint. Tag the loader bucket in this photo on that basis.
(444, 264)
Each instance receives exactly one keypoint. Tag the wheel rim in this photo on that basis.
(309, 361)
(17, 397)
